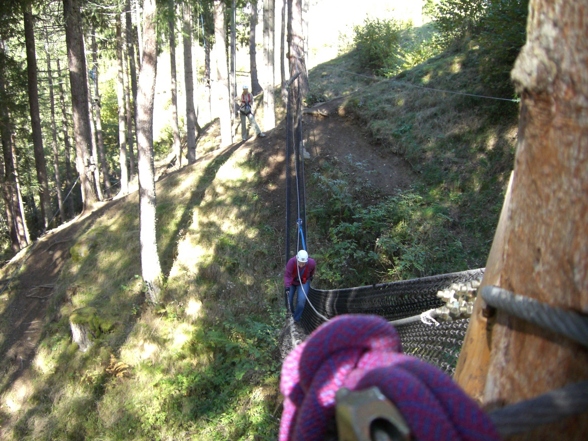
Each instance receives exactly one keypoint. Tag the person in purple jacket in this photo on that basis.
(297, 276)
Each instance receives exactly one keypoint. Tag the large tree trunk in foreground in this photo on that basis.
(150, 266)
(542, 251)
(79, 96)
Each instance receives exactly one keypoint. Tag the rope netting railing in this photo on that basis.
(438, 345)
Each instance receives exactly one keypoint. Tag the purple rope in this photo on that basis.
(361, 351)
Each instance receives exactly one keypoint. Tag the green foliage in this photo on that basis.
(503, 33)
(377, 42)
(401, 237)
(499, 29)
(459, 19)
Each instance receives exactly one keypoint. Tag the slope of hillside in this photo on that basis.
(205, 363)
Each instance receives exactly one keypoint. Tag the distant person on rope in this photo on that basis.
(245, 109)
(297, 276)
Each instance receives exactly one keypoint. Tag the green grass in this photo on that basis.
(204, 363)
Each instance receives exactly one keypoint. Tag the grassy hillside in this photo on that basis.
(204, 364)
(460, 145)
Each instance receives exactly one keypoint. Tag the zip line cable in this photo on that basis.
(404, 83)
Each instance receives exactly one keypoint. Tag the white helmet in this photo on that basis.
(245, 87)
(302, 256)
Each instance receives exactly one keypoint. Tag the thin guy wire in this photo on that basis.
(514, 100)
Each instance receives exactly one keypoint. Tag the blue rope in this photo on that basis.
(301, 233)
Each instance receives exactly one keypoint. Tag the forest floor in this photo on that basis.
(329, 133)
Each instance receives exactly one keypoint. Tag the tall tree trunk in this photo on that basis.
(220, 86)
(233, 71)
(97, 106)
(542, 251)
(177, 147)
(138, 35)
(255, 86)
(122, 110)
(150, 266)
(130, 35)
(283, 32)
(296, 45)
(207, 71)
(189, 81)
(79, 96)
(69, 197)
(269, 116)
(54, 132)
(94, 151)
(40, 164)
(19, 234)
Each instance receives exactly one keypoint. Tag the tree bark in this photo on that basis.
(79, 94)
(177, 146)
(544, 250)
(122, 110)
(269, 116)
(220, 86)
(33, 92)
(54, 131)
(189, 80)
(150, 266)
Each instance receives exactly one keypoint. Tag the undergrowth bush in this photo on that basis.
(378, 43)
(401, 237)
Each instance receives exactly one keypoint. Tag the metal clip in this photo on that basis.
(368, 415)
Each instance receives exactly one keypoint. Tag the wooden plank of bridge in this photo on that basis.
(542, 248)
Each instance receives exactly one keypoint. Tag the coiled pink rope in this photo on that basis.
(361, 351)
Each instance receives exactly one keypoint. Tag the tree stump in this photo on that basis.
(81, 322)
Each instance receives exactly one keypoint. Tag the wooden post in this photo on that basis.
(543, 246)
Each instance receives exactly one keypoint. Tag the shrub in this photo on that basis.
(377, 42)
(459, 19)
(502, 34)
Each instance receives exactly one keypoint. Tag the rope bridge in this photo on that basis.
(438, 345)
(411, 306)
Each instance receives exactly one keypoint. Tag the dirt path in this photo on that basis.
(332, 135)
